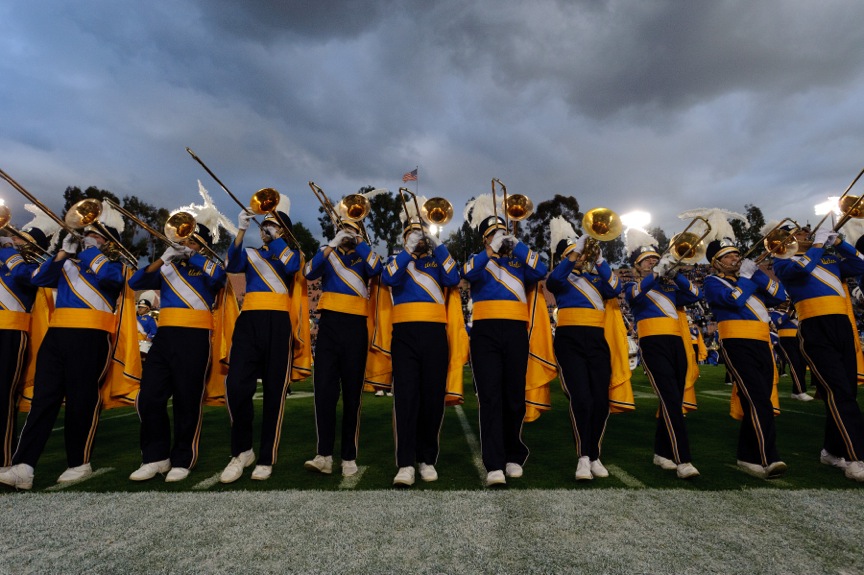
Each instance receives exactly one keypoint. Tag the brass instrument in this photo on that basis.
(516, 207)
(30, 250)
(851, 206)
(437, 211)
(352, 208)
(688, 247)
(86, 213)
(327, 205)
(601, 225)
(778, 243)
(265, 201)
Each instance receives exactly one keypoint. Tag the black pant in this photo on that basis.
(71, 363)
(420, 354)
(665, 361)
(791, 348)
(585, 368)
(260, 348)
(13, 355)
(340, 356)
(176, 367)
(499, 358)
(751, 363)
(828, 346)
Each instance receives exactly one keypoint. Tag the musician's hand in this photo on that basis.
(497, 240)
(6, 242)
(243, 219)
(433, 241)
(340, 237)
(747, 269)
(169, 255)
(70, 245)
(580, 243)
(665, 265)
(411, 241)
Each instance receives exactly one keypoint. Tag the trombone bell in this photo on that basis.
(83, 213)
(518, 207)
(778, 244)
(851, 207)
(354, 207)
(437, 211)
(687, 247)
(179, 226)
(602, 224)
(264, 201)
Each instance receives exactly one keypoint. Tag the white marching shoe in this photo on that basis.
(855, 470)
(495, 478)
(513, 470)
(598, 469)
(235, 467)
(404, 477)
(262, 472)
(349, 468)
(826, 458)
(428, 473)
(664, 463)
(752, 469)
(686, 471)
(321, 464)
(802, 397)
(583, 469)
(18, 476)
(177, 474)
(149, 470)
(75, 473)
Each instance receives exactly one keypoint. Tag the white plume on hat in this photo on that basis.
(415, 217)
(377, 191)
(111, 217)
(152, 296)
(45, 223)
(478, 210)
(560, 229)
(853, 229)
(718, 219)
(637, 238)
(206, 214)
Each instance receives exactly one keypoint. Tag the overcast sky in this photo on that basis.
(656, 105)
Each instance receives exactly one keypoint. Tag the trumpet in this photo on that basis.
(778, 242)
(688, 247)
(516, 207)
(30, 250)
(601, 225)
(86, 213)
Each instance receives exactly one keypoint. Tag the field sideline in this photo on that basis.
(639, 520)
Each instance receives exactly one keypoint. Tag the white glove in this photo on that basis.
(747, 269)
(70, 244)
(825, 237)
(509, 242)
(6, 242)
(169, 255)
(185, 252)
(271, 232)
(341, 236)
(665, 265)
(89, 242)
(243, 220)
(497, 240)
(411, 241)
(580, 243)
(433, 241)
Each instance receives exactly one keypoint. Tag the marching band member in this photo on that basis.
(740, 294)
(581, 350)
(146, 326)
(815, 282)
(17, 296)
(418, 277)
(653, 301)
(177, 364)
(786, 321)
(262, 344)
(345, 265)
(74, 355)
(499, 339)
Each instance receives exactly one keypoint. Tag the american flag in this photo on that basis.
(410, 176)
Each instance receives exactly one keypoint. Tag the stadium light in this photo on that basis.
(827, 206)
(636, 219)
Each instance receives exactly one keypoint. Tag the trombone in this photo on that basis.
(352, 208)
(688, 247)
(601, 225)
(177, 229)
(851, 206)
(516, 207)
(30, 251)
(778, 243)
(265, 201)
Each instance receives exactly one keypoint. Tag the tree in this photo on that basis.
(535, 232)
(746, 236)
(383, 224)
(308, 243)
(658, 234)
(464, 242)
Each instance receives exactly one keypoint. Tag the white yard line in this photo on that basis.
(352, 481)
(208, 483)
(625, 477)
(96, 473)
(473, 444)
(768, 482)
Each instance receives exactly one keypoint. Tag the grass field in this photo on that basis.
(627, 447)
(639, 520)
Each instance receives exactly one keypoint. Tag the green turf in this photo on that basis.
(627, 447)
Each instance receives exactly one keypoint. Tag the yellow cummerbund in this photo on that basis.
(86, 318)
(500, 309)
(352, 304)
(419, 311)
(825, 305)
(17, 320)
(180, 317)
(266, 300)
(744, 329)
(581, 316)
(788, 332)
(658, 326)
